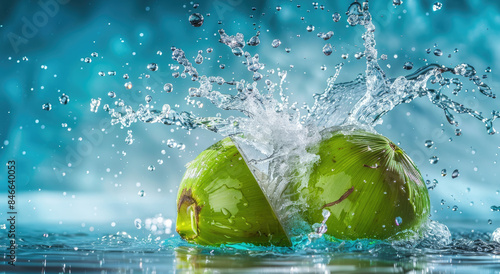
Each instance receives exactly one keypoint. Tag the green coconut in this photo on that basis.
(220, 202)
(368, 184)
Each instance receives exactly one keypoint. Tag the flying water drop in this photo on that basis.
(47, 106)
(397, 2)
(168, 87)
(196, 19)
(94, 104)
(443, 172)
(336, 17)
(408, 65)
(433, 160)
(64, 99)
(428, 143)
(254, 40)
(327, 49)
(152, 67)
(276, 43)
(437, 6)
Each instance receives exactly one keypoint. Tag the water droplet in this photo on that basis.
(455, 174)
(398, 220)
(254, 40)
(397, 2)
(288, 50)
(148, 98)
(199, 58)
(433, 160)
(153, 67)
(94, 104)
(151, 168)
(276, 43)
(94, 54)
(138, 223)
(141, 193)
(495, 208)
(336, 17)
(257, 76)
(88, 60)
(345, 56)
(408, 65)
(64, 99)
(323, 67)
(458, 132)
(125, 76)
(383, 57)
(196, 5)
(437, 6)
(196, 19)
(443, 172)
(101, 73)
(129, 139)
(128, 85)
(237, 51)
(171, 143)
(310, 28)
(168, 87)
(112, 73)
(325, 36)
(443, 201)
(438, 52)
(111, 94)
(327, 49)
(428, 50)
(359, 55)
(490, 221)
(487, 70)
(278, 8)
(428, 143)
(434, 184)
(47, 106)
(454, 208)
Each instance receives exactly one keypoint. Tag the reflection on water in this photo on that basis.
(121, 252)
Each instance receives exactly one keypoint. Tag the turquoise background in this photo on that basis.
(101, 186)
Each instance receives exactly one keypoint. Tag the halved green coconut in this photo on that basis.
(370, 186)
(220, 202)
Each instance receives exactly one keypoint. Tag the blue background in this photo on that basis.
(101, 186)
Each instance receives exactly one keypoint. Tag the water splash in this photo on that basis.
(276, 132)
